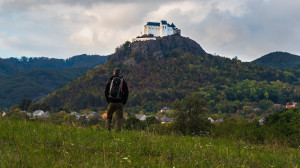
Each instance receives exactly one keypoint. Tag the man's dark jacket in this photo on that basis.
(125, 92)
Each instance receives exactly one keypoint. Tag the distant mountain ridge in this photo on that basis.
(13, 65)
(34, 78)
(281, 60)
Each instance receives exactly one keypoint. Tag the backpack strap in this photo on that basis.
(120, 87)
(111, 84)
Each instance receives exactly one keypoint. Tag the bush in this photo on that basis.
(281, 127)
(161, 129)
(82, 121)
(59, 118)
(94, 120)
(132, 123)
(19, 115)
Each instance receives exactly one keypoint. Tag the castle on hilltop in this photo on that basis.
(157, 29)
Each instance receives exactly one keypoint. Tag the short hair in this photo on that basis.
(117, 71)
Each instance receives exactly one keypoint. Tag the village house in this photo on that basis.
(290, 105)
(211, 120)
(39, 114)
(261, 121)
(3, 114)
(157, 29)
(219, 120)
(165, 109)
(74, 113)
(141, 117)
(163, 118)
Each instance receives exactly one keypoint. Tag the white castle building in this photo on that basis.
(157, 29)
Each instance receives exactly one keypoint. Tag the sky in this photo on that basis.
(247, 29)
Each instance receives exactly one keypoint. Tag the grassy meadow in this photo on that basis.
(38, 144)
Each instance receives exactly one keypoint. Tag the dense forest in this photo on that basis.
(34, 78)
(14, 65)
(159, 72)
(280, 60)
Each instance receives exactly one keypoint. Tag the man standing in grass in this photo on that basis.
(116, 93)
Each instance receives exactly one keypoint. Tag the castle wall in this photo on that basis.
(170, 31)
(160, 29)
(155, 30)
(163, 30)
(143, 39)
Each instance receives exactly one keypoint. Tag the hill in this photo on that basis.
(34, 84)
(13, 65)
(160, 71)
(281, 60)
(37, 144)
(34, 78)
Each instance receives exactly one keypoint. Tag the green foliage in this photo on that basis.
(25, 103)
(82, 121)
(34, 78)
(171, 68)
(59, 118)
(126, 45)
(189, 116)
(34, 84)
(156, 83)
(94, 120)
(13, 65)
(163, 129)
(286, 126)
(151, 120)
(38, 106)
(132, 123)
(19, 115)
(280, 127)
(280, 60)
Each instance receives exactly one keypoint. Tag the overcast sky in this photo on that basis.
(247, 29)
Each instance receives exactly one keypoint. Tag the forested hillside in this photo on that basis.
(281, 60)
(34, 78)
(169, 68)
(13, 65)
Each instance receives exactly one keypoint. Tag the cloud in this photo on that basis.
(63, 28)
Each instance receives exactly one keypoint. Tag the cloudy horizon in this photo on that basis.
(247, 29)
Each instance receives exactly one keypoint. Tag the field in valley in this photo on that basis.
(37, 144)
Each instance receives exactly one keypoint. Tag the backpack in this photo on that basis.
(115, 90)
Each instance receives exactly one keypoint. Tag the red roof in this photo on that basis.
(290, 105)
(104, 115)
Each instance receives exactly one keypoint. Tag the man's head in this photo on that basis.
(117, 72)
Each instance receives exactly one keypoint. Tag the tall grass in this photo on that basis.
(36, 144)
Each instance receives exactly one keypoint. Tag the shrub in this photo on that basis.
(132, 123)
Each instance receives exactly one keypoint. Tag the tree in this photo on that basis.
(132, 123)
(24, 104)
(189, 115)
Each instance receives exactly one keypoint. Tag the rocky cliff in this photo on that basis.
(159, 49)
